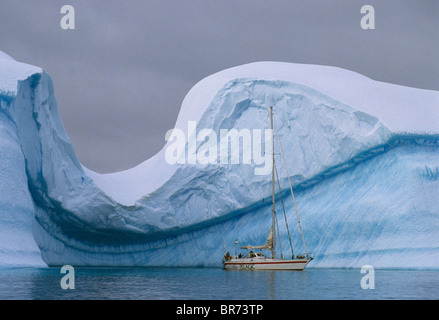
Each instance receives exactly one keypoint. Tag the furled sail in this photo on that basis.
(267, 246)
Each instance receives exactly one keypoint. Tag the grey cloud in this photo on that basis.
(121, 75)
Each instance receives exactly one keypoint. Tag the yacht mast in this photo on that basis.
(273, 250)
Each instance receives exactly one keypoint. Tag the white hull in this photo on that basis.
(266, 264)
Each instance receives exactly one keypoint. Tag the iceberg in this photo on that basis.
(362, 155)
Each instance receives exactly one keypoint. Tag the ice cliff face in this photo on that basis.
(365, 191)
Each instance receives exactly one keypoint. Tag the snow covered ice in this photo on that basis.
(363, 157)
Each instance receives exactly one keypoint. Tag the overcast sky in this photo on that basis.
(121, 75)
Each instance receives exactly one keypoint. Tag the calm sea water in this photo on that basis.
(217, 284)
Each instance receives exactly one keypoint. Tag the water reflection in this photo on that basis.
(215, 283)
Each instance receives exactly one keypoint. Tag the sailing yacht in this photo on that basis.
(258, 260)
